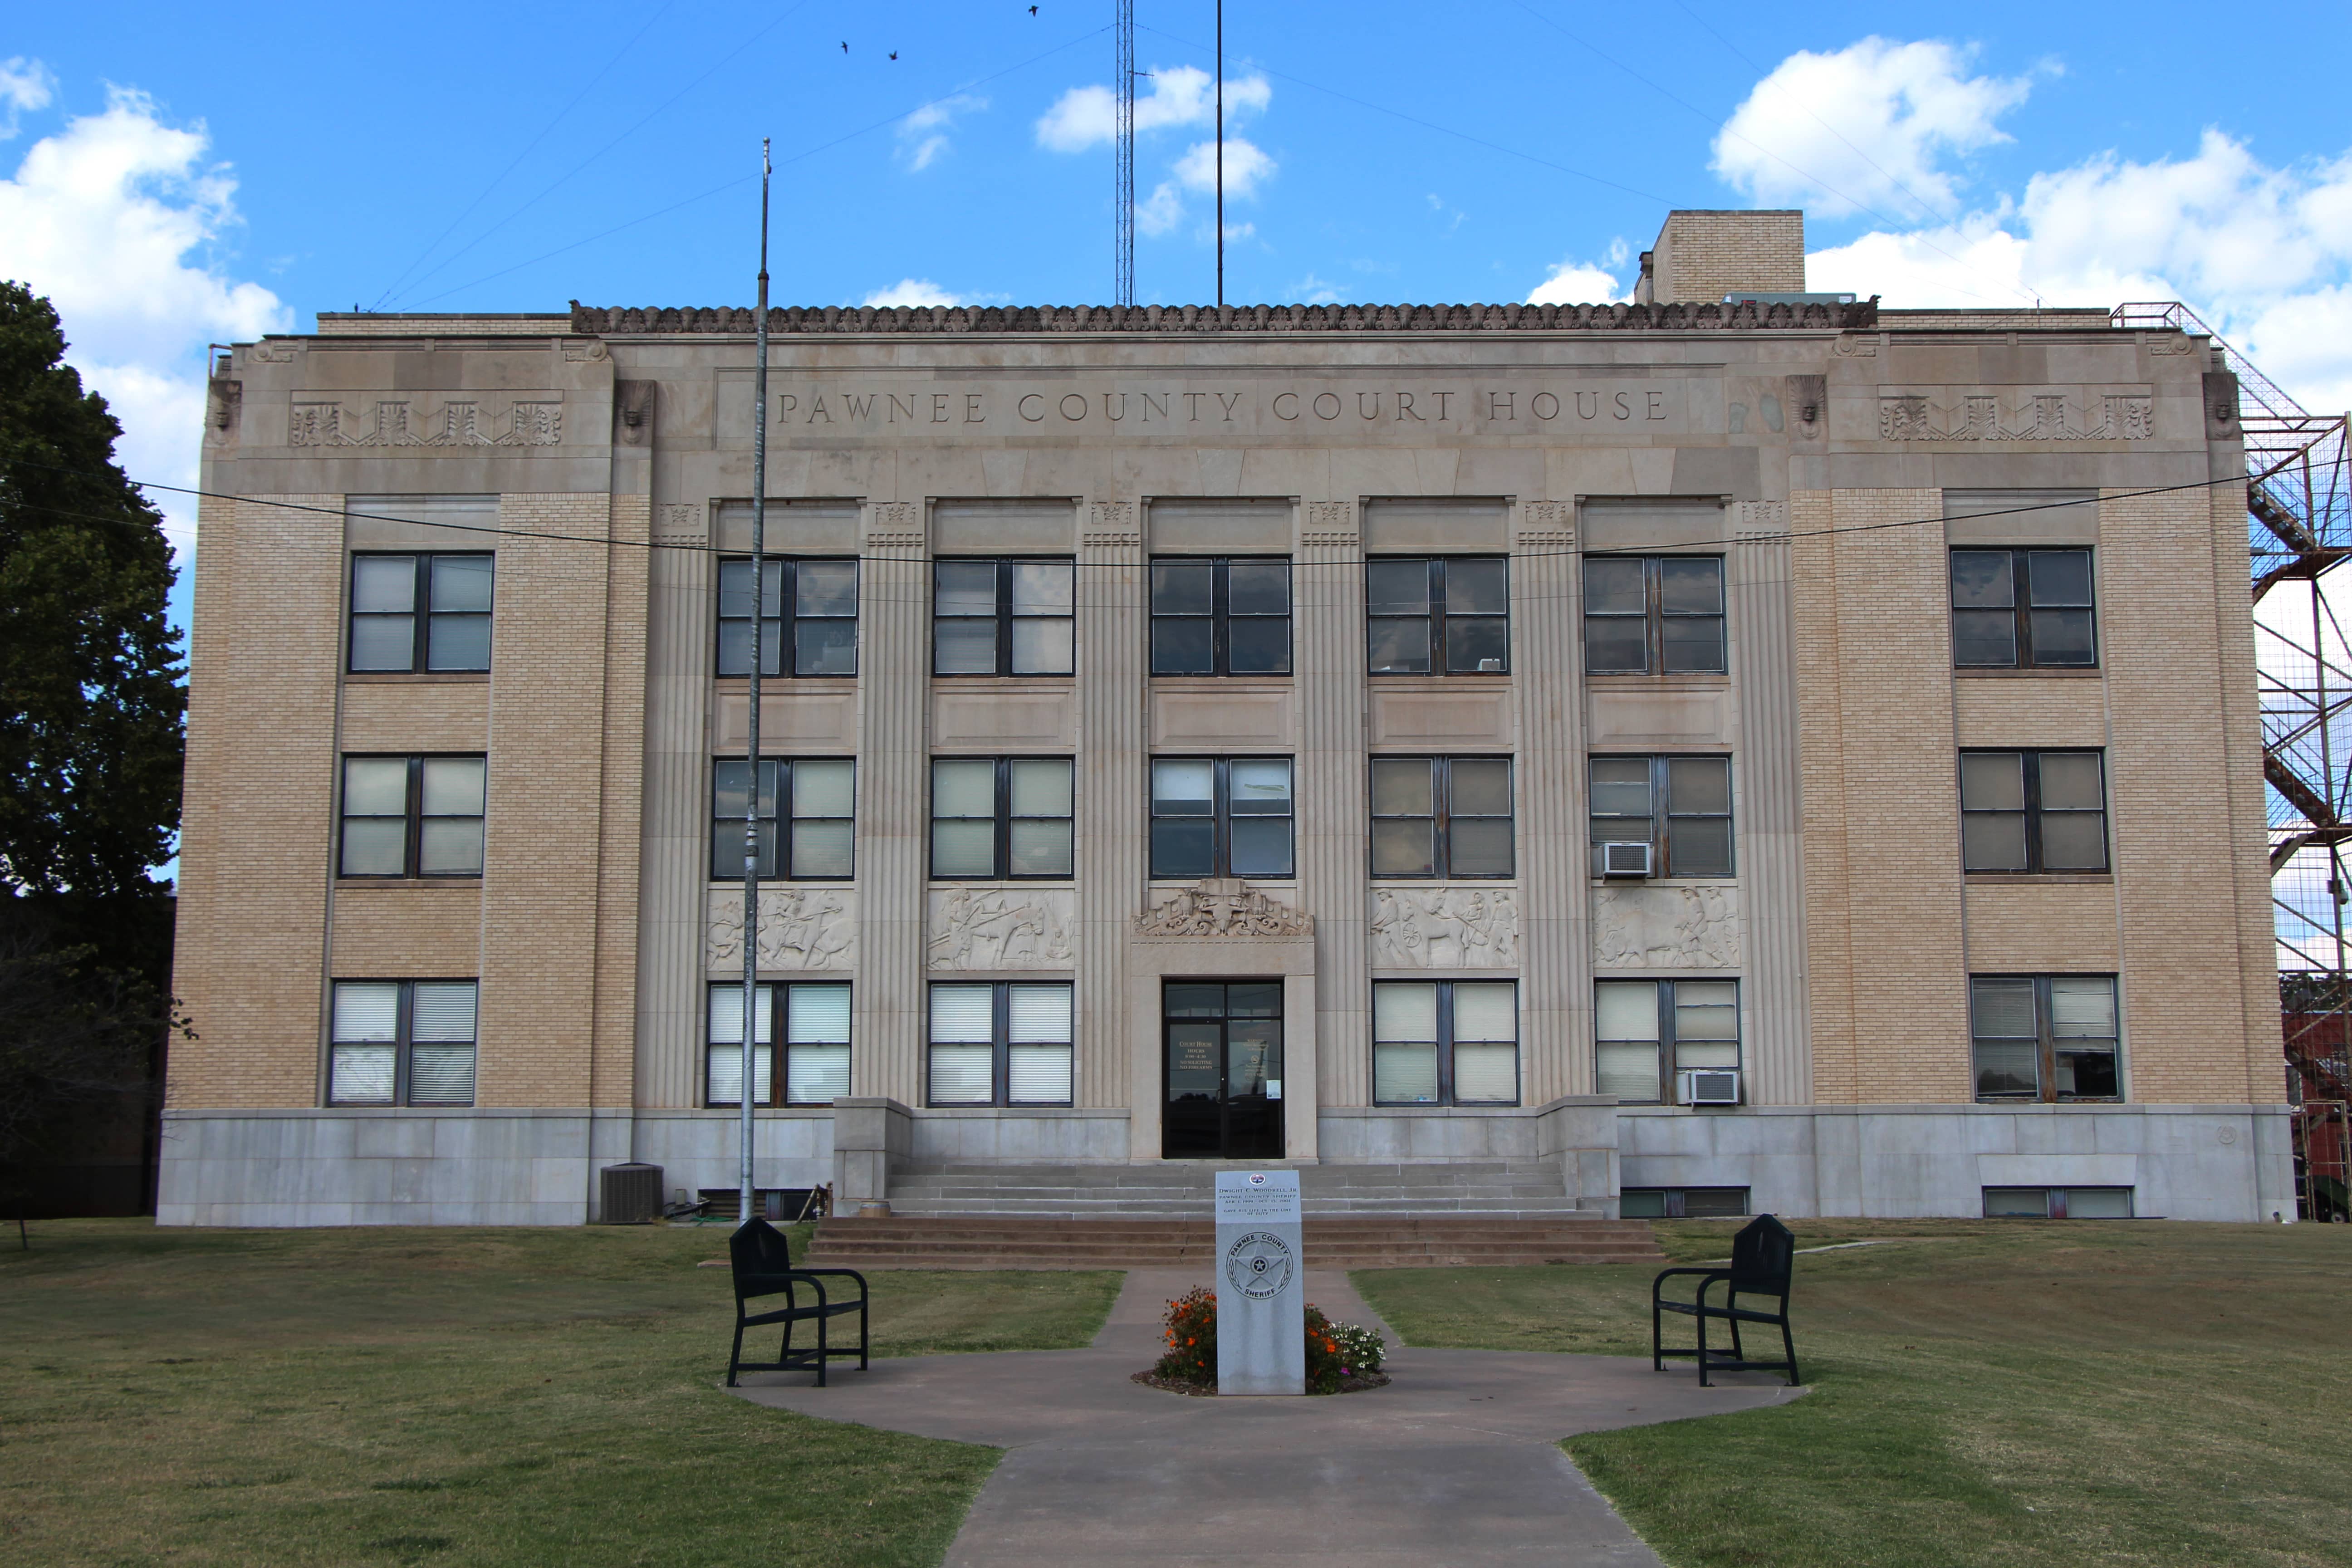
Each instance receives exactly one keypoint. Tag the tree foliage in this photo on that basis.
(91, 704)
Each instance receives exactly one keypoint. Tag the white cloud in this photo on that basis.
(1577, 283)
(912, 292)
(1160, 211)
(923, 135)
(1866, 126)
(1180, 95)
(26, 88)
(115, 218)
(1313, 291)
(1246, 165)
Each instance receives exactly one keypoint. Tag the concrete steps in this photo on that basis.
(1508, 1189)
(1332, 1241)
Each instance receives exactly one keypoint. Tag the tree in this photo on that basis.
(90, 701)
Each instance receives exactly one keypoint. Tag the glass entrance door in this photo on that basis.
(1224, 1050)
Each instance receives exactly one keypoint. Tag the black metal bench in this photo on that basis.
(1763, 1255)
(762, 1262)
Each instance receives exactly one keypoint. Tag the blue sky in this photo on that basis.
(174, 174)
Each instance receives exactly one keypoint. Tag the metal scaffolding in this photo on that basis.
(2298, 530)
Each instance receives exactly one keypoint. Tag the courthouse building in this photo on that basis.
(1739, 749)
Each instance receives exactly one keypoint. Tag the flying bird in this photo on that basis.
(844, 48)
(1033, 10)
(894, 53)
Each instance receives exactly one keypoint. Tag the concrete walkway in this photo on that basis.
(1456, 1462)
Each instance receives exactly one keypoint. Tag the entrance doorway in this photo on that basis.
(1223, 1054)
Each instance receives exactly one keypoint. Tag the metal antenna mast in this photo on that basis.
(751, 790)
(1221, 155)
(1123, 158)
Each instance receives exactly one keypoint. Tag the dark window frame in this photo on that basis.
(1665, 991)
(1654, 615)
(1001, 1042)
(1220, 816)
(1003, 819)
(2033, 811)
(405, 1042)
(1441, 817)
(413, 817)
(775, 825)
(420, 615)
(2020, 605)
(1663, 815)
(1673, 1203)
(778, 1010)
(2057, 1201)
(1445, 1042)
(1438, 617)
(788, 618)
(1005, 619)
(1220, 615)
(2046, 1090)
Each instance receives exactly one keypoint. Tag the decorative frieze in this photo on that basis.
(1650, 927)
(2038, 416)
(1003, 928)
(800, 928)
(459, 422)
(678, 522)
(1445, 928)
(895, 525)
(1224, 905)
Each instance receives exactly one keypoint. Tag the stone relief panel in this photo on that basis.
(1445, 928)
(457, 422)
(1002, 928)
(800, 928)
(2038, 416)
(1224, 905)
(1667, 928)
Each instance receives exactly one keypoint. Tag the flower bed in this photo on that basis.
(1341, 1358)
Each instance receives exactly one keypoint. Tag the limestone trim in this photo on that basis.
(1445, 926)
(1002, 928)
(965, 321)
(1653, 927)
(813, 927)
(1222, 907)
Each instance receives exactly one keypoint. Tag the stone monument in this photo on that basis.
(1261, 1284)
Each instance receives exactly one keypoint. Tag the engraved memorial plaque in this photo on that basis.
(1261, 1284)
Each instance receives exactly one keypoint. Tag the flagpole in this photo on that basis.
(749, 1089)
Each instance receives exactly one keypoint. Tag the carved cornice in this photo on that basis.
(964, 320)
(1224, 905)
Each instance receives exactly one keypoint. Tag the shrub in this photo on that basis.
(1191, 1339)
(1334, 1350)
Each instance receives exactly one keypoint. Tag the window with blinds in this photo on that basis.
(814, 1016)
(401, 1042)
(1445, 1043)
(1000, 1043)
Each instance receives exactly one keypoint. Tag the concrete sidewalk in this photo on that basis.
(1456, 1462)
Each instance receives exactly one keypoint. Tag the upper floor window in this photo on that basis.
(2022, 609)
(997, 817)
(1441, 614)
(1445, 1042)
(421, 612)
(401, 1042)
(815, 1028)
(1654, 615)
(808, 616)
(1000, 1043)
(1652, 1034)
(412, 816)
(1003, 617)
(1220, 616)
(2032, 811)
(2044, 1037)
(1220, 816)
(1442, 816)
(806, 817)
(1679, 806)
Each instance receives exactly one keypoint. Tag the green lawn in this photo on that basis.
(456, 1396)
(2020, 1394)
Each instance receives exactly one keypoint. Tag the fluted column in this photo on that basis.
(1332, 801)
(675, 872)
(1769, 810)
(893, 722)
(1548, 668)
(1110, 861)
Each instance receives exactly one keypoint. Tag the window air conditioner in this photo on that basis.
(1624, 859)
(1710, 1086)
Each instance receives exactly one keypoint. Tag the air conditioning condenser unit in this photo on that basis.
(1625, 859)
(1710, 1086)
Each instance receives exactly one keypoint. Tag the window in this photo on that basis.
(817, 635)
(1221, 617)
(1220, 816)
(1653, 614)
(1680, 807)
(994, 817)
(1002, 617)
(1445, 1042)
(451, 633)
(2022, 609)
(2045, 1037)
(816, 1044)
(1652, 1032)
(413, 817)
(2058, 1202)
(1442, 816)
(1006, 1043)
(1683, 1203)
(401, 1042)
(1446, 615)
(818, 829)
(2033, 811)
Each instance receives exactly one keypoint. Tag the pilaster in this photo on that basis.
(1332, 799)
(1548, 666)
(1112, 692)
(893, 785)
(1769, 809)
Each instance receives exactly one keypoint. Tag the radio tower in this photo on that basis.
(1123, 156)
